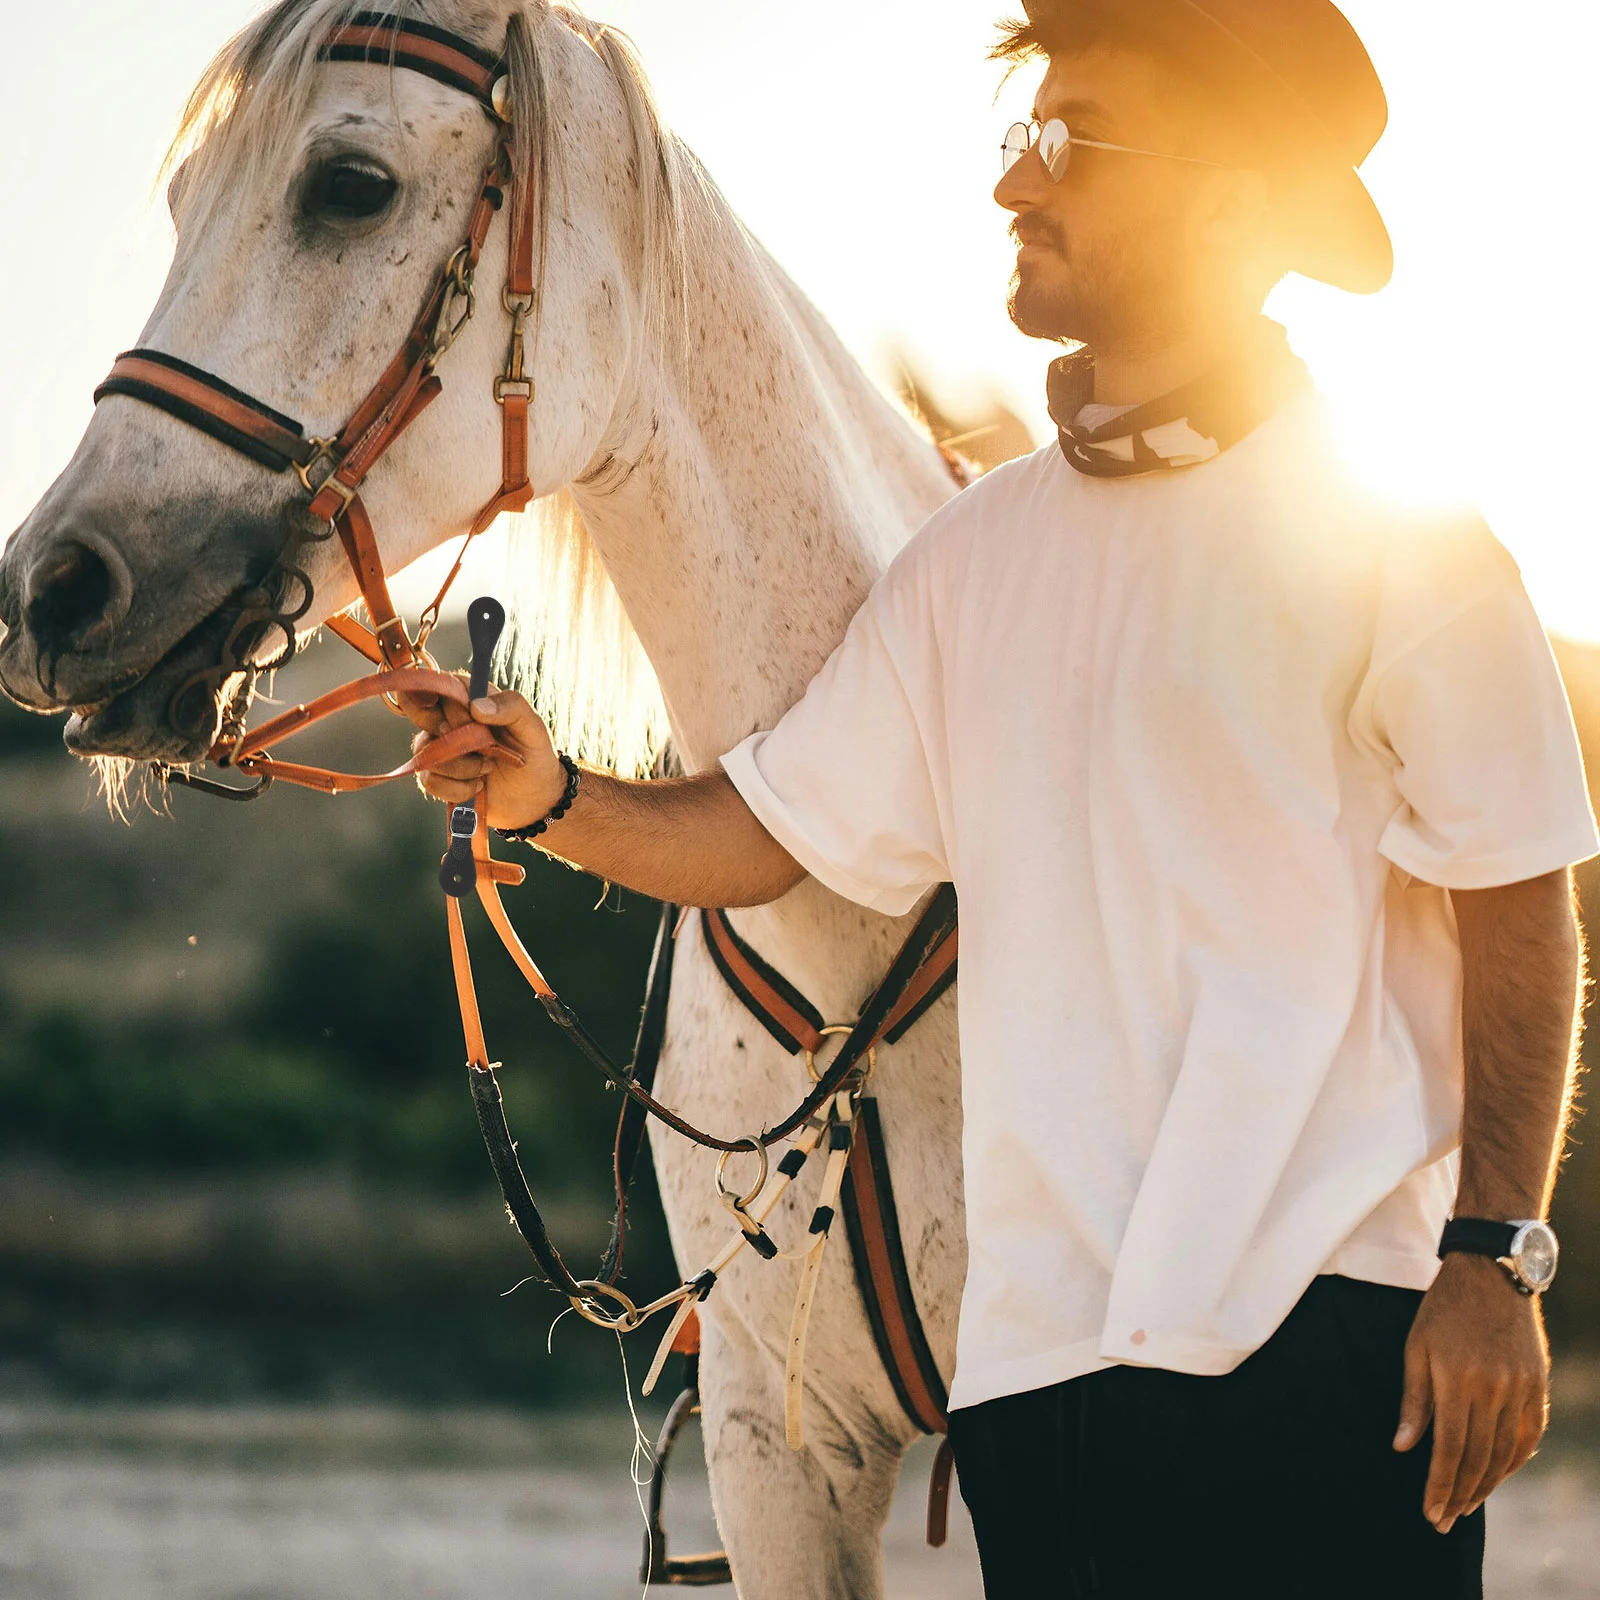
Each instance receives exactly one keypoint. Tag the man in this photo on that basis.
(1260, 798)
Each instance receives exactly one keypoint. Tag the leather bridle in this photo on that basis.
(332, 470)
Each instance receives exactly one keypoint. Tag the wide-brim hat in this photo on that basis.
(1298, 71)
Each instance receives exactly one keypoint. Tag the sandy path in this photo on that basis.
(379, 1505)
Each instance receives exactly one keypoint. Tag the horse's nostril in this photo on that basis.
(69, 592)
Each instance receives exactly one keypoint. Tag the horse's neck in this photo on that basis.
(772, 484)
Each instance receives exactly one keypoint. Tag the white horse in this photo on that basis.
(723, 484)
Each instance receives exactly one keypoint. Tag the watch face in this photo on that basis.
(1533, 1255)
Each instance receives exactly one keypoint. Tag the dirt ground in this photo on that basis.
(377, 1504)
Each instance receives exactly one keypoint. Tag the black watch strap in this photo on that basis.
(1477, 1236)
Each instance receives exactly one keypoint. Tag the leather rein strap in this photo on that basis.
(332, 471)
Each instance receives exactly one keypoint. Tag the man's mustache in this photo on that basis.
(1039, 231)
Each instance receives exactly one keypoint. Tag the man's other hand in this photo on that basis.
(1478, 1367)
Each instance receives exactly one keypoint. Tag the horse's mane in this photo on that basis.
(571, 646)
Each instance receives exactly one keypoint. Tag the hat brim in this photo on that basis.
(1332, 225)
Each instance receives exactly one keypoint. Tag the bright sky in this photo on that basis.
(860, 139)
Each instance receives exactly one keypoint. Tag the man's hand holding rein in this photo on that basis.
(514, 796)
(688, 841)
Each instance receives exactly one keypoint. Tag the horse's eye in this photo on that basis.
(346, 189)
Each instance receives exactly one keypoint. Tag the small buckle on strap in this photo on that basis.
(463, 821)
(505, 385)
(323, 452)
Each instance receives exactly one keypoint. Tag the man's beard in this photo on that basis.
(1040, 309)
(1114, 295)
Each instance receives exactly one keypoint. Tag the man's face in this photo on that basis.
(1112, 254)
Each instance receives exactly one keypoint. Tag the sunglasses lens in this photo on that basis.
(1055, 148)
(1018, 141)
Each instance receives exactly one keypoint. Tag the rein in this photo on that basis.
(332, 471)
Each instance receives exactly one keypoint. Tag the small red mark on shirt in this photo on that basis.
(1137, 1337)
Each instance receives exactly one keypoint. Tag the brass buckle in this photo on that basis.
(457, 303)
(514, 381)
(345, 493)
(324, 452)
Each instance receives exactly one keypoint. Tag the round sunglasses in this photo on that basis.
(1055, 141)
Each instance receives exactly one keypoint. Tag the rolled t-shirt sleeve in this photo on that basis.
(849, 781)
(1475, 721)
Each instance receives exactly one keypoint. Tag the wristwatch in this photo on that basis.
(1526, 1250)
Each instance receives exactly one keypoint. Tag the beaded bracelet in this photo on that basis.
(555, 813)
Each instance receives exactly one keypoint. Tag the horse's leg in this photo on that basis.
(798, 1525)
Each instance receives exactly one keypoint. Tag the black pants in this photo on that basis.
(1275, 1482)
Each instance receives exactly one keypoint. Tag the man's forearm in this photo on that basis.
(691, 841)
(1521, 970)
(1477, 1364)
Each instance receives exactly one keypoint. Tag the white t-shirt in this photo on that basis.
(1196, 749)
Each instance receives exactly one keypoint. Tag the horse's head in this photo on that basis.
(317, 204)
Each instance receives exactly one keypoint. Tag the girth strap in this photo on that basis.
(873, 1225)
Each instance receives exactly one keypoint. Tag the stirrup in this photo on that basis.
(695, 1571)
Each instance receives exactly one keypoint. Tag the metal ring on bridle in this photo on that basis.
(740, 1201)
(590, 1310)
(858, 1077)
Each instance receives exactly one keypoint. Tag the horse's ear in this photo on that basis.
(175, 187)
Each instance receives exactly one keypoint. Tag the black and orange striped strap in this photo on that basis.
(788, 1016)
(873, 1223)
(867, 1198)
(445, 57)
(766, 994)
(229, 415)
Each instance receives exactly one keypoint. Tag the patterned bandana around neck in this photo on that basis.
(1186, 427)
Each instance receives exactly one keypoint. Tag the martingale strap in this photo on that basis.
(790, 1018)
(866, 1197)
